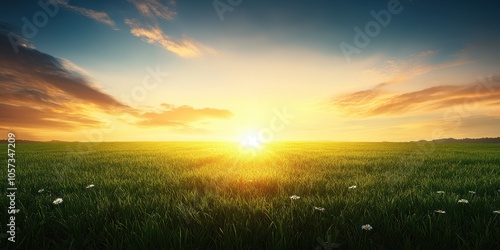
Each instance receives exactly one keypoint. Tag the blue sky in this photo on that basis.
(265, 55)
(428, 25)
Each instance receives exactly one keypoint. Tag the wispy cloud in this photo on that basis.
(412, 66)
(43, 92)
(155, 35)
(154, 8)
(98, 16)
(380, 100)
(376, 101)
(180, 116)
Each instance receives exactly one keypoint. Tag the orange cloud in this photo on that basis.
(154, 8)
(180, 116)
(155, 35)
(40, 91)
(376, 101)
(380, 101)
(98, 16)
(43, 118)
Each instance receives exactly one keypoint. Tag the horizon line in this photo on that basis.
(277, 141)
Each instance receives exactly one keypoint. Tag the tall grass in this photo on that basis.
(202, 195)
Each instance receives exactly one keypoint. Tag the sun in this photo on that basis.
(251, 140)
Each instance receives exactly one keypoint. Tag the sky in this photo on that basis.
(229, 70)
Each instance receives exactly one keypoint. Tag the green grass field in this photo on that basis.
(189, 195)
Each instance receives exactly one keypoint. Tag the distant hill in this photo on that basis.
(444, 140)
(467, 140)
(17, 141)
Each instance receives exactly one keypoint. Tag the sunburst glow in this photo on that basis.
(251, 140)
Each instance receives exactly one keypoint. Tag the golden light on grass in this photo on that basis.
(367, 227)
(464, 201)
(294, 197)
(57, 201)
(439, 211)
